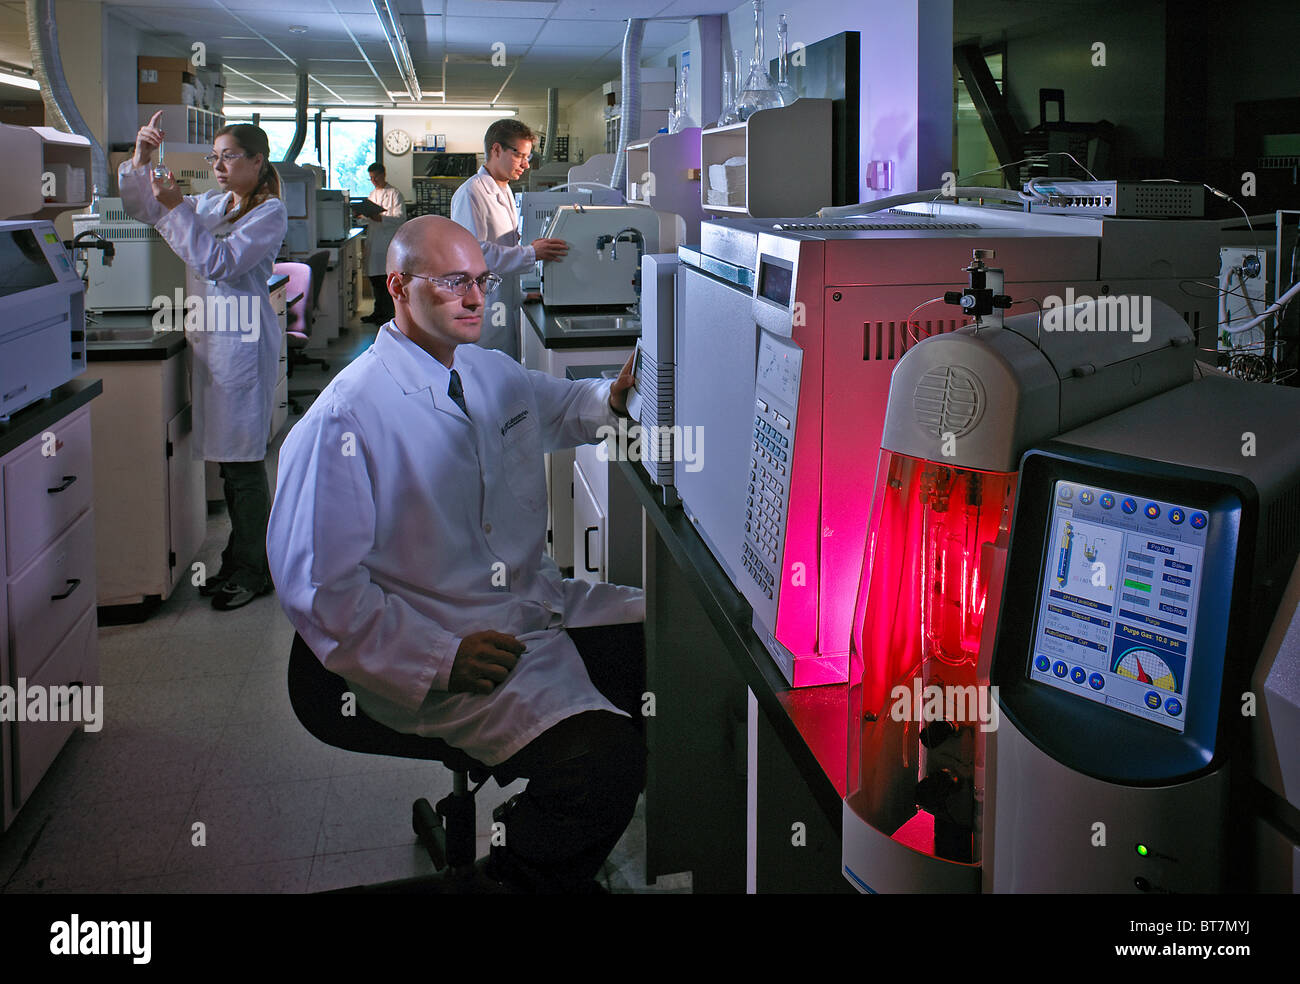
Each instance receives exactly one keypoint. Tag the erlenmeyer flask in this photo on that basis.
(759, 91)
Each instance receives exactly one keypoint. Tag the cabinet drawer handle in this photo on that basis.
(586, 550)
(73, 582)
(67, 480)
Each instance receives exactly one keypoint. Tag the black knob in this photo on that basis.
(936, 733)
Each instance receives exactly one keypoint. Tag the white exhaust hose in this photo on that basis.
(60, 108)
(939, 196)
(631, 99)
(552, 115)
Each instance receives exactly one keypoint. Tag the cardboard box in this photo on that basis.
(159, 80)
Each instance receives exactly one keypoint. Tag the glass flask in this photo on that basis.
(783, 85)
(729, 81)
(759, 91)
(680, 119)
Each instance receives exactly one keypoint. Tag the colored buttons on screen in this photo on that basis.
(1129, 506)
(1152, 700)
(1042, 663)
(1060, 669)
(1174, 706)
(1176, 516)
(1152, 511)
(1078, 674)
(1086, 497)
(1096, 681)
(1107, 501)
(1198, 521)
(1067, 493)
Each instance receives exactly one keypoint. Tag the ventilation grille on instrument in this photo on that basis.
(917, 224)
(1282, 527)
(888, 341)
(948, 400)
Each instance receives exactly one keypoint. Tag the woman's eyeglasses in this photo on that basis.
(227, 157)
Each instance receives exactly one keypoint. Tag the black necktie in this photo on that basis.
(457, 393)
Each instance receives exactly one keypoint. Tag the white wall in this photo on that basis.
(906, 76)
(464, 136)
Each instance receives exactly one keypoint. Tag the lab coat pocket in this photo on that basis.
(233, 359)
(521, 460)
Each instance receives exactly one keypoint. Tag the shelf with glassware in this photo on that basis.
(776, 163)
(664, 173)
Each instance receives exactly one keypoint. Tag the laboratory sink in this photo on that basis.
(141, 334)
(572, 323)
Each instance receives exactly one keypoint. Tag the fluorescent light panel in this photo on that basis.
(21, 81)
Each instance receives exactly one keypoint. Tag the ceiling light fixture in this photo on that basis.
(21, 81)
(286, 111)
(396, 37)
(297, 29)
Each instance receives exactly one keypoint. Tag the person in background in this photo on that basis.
(378, 237)
(229, 239)
(486, 207)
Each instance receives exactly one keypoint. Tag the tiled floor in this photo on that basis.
(202, 779)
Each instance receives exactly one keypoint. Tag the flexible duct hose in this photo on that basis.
(60, 108)
(552, 117)
(299, 121)
(631, 101)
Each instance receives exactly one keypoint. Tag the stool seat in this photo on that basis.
(317, 697)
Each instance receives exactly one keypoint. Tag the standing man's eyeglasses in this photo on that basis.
(522, 157)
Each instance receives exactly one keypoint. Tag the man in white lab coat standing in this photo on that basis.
(486, 207)
(378, 235)
(406, 542)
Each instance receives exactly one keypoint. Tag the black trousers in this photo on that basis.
(585, 773)
(383, 300)
(248, 503)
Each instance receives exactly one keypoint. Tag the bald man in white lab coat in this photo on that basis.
(406, 543)
(485, 206)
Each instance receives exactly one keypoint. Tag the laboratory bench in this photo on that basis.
(48, 630)
(746, 775)
(150, 496)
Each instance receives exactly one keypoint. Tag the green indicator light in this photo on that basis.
(1142, 850)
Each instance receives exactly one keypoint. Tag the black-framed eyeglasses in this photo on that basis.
(520, 156)
(459, 284)
(228, 157)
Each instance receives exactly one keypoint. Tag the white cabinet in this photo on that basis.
(607, 520)
(48, 635)
(559, 465)
(149, 499)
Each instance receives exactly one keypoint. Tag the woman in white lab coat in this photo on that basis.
(228, 239)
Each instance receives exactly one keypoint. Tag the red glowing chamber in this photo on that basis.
(932, 578)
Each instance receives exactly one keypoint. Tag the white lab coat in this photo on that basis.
(488, 211)
(233, 372)
(380, 234)
(399, 527)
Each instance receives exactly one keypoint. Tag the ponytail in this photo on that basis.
(252, 141)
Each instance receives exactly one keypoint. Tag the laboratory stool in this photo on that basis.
(448, 830)
(614, 656)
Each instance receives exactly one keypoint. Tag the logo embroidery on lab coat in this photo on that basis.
(516, 419)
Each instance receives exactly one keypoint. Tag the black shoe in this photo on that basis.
(213, 584)
(234, 595)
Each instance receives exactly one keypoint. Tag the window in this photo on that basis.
(349, 149)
